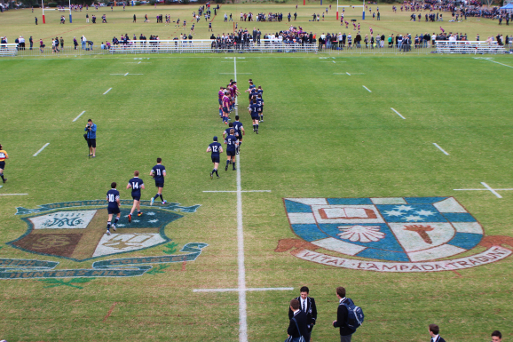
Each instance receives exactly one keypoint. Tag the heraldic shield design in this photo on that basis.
(404, 234)
(76, 231)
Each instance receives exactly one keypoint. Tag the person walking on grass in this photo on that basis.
(136, 184)
(158, 172)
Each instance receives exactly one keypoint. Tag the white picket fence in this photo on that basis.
(469, 47)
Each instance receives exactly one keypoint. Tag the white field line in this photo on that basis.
(107, 91)
(348, 74)
(13, 194)
(509, 66)
(482, 189)
(139, 62)
(492, 190)
(441, 149)
(243, 319)
(398, 113)
(41, 149)
(240, 191)
(334, 62)
(126, 74)
(250, 289)
(79, 116)
(367, 89)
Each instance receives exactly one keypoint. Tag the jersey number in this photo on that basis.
(214, 149)
(135, 185)
(111, 198)
(158, 172)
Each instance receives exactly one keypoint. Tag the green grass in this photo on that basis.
(324, 135)
(21, 22)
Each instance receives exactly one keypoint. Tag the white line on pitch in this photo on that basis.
(79, 116)
(398, 113)
(240, 191)
(509, 66)
(482, 189)
(348, 74)
(229, 73)
(441, 149)
(13, 194)
(139, 62)
(107, 91)
(41, 149)
(243, 321)
(492, 190)
(334, 62)
(250, 289)
(367, 89)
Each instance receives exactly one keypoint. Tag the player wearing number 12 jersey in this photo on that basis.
(136, 184)
(113, 207)
(158, 173)
(216, 149)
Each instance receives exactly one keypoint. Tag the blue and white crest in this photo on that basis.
(398, 229)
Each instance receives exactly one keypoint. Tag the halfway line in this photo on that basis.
(250, 289)
(41, 149)
(492, 190)
(441, 149)
(367, 89)
(107, 91)
(398, 113)
(79, 116)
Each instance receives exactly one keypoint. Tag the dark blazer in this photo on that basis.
(341, 320)
(440, 339)
(311, 311)
(301, 323)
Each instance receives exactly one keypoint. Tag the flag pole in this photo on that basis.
(43, 8)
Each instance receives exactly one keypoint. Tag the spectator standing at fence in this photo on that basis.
(62, 43)
(135, 19)
(87, 17)
(31, 42)
(75, 43)
(41, 45)
(36, 20)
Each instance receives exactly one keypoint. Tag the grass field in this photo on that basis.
(324, 135)
(21, 22)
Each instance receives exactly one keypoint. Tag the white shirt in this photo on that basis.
(303, 303)
(435, 338)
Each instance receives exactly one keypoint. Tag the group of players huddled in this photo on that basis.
(233, 135)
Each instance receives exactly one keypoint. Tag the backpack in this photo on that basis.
(355, 314)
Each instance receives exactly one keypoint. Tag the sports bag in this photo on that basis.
(355, 314)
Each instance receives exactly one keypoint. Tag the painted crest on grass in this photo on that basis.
(78, 234)
(397, 234)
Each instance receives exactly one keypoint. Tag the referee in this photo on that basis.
(90, 128)
(3, 157)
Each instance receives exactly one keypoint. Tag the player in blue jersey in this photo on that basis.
(250, 89)
(239, 131)
(227, 131)
(260, 104)
(231, 142)
(136, 184)
(253, 110)
(158, 173)
(216, 149)
(260, 101)
(113, 207)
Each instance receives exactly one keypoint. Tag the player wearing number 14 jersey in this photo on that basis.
(136, 184)
(158, 173)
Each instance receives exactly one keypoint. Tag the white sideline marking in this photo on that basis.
(367, 89)
(492, 190)
(107, 91)
(229, 73)
(126, 74)
(79, 116)
(240, 191)
(41, 149)
(250, 289)
(348, 74)
(441, 149)
(243, 327)
(509, 66)
(398, 113)
(13, 194)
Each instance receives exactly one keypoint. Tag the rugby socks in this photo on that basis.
(254, 128)
(217, 174)
(156, 196)
(108, 225)
(116, 220)
(2, 175)
(234, 166)
(220, 112)
(161, 198)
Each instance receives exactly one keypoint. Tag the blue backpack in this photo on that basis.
(355, 314)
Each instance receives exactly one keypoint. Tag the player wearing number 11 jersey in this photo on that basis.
(158, 173)
(136, 184)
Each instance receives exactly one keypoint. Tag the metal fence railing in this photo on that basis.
(265, 46)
